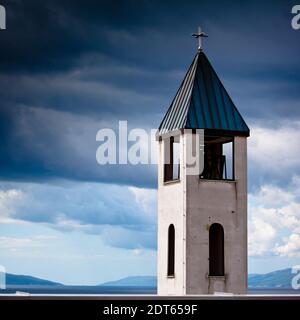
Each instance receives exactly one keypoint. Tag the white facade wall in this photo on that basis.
(171, 209)
(192, 205)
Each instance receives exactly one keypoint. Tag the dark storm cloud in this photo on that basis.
(68, 68)
(51, 35)
(44, 143)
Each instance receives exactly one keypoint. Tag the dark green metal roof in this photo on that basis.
(202, 102)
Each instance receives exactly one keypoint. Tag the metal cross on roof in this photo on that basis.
(199, 36)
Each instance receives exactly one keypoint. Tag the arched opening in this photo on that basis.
(171, 251)
(216, 250)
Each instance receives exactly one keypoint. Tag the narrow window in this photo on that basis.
(171, 251)
(172, 161)
(216, 250)
(228, 171)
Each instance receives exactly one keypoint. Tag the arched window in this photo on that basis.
(216, 250)
(171, 251)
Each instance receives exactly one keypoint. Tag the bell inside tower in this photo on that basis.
(218, 158)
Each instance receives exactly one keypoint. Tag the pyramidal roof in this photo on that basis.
(202, 102)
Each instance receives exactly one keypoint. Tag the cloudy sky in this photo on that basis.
(69, 68)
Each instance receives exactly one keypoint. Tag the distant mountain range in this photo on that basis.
(24, 280)
(137, 281)
(277, 279)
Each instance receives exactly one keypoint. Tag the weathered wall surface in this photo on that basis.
(171, 201)
(224, 202)
(192, 205)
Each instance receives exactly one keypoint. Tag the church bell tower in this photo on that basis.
(202, 218)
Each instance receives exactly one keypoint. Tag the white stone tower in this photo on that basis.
(202, 219)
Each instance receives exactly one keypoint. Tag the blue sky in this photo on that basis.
(68, 69)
